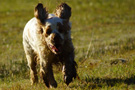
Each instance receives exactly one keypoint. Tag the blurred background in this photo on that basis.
(103, 33)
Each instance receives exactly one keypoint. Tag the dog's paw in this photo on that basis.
(67, 79)
(53, 85)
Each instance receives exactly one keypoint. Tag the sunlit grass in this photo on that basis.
(103, 33)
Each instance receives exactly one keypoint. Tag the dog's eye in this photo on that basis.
(48, 31)
(59, 27)
(60, 30)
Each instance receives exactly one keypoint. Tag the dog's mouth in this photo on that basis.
(56, 49)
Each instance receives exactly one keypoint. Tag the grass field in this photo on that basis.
(103, 33)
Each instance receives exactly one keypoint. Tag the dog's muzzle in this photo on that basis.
(54, 49)
(56, 46)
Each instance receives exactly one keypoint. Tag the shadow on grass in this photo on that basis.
(102, 82)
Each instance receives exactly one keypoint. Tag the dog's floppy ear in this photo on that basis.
(63, 11)
(41, 13)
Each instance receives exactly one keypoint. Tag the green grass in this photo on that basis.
(103, 33)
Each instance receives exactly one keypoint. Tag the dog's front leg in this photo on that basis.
(69, 69)
(43, 72)
(47, 75)
(46, 70)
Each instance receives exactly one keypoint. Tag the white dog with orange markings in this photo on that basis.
(48, 36)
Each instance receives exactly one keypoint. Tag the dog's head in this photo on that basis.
(55, 29)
